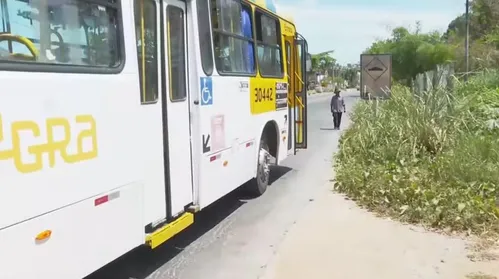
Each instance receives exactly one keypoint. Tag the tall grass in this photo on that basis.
(431, 159)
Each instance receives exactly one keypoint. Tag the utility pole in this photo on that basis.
(467, 41)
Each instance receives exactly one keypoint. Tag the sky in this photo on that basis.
(350, 26)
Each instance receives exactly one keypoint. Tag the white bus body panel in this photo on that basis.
(27, 195)
(61, 198)
(226, 127)
(234, 137)
(84, 238)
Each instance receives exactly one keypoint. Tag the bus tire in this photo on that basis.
(258, 185)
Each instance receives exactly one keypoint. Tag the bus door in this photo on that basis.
(175, 101)
(300, 89)
(290, 49)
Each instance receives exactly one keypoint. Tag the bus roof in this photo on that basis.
(271, 6)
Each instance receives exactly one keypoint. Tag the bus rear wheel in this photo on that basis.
(258, 185)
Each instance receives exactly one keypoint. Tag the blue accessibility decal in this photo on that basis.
(206, 91)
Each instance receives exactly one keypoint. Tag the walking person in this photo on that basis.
(337, 108)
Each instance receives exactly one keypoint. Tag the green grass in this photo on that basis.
(431, 159)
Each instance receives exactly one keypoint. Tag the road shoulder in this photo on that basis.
(336, 239)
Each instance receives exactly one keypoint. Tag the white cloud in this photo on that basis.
(350, 30)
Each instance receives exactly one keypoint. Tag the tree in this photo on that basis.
(323, 62)
(457, 27)
(348, 73)
(484, 18)
(484, 36)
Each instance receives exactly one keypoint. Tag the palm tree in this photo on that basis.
(323, 62)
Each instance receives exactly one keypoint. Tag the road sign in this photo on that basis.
(375, 75)
(206, 91)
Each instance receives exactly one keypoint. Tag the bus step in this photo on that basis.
(169, 230)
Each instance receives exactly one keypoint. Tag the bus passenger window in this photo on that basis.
(233, 37)
(269, 46)
(147, 53)
(63, 32)
(176, 53)
(204, 36)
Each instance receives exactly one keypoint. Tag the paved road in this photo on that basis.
(237, 237)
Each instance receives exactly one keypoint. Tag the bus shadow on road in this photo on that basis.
(142, 262)
(277, 172)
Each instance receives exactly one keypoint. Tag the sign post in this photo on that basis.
(375, 76)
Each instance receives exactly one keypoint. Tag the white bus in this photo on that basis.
(121, 119)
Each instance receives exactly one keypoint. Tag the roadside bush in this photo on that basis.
(430, 159)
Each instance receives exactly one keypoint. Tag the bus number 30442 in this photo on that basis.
(263, 94)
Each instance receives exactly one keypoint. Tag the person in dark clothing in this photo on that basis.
(337, 108)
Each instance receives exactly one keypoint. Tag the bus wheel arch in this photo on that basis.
(267, 147)
(270, 134)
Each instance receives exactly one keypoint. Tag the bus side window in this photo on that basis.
(233, 37)
(206, 48)
(76, 33)
(269, 47)
(176, 53)
(147, 53)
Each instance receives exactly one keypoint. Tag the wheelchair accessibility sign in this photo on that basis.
(206, 91)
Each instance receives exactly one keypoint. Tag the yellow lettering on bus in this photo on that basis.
(51, 146)
(287, 29)
(16, 147)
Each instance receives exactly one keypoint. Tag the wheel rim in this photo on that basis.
(263, 166)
